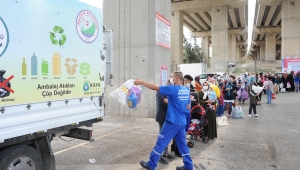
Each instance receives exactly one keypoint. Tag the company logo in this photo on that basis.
(87, 26)
(58, 33)
(86, 86)
(4, 37)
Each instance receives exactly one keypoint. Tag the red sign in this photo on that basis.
(3, 84)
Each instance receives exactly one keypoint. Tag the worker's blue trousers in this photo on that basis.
(167, 133)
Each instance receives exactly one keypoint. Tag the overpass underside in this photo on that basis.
(276, 32)
(221, 24)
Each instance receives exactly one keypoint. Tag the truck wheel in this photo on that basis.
(21, 157)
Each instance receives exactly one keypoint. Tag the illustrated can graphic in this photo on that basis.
(33, 65)
(44, 67)
(56, 60)
(24, 72)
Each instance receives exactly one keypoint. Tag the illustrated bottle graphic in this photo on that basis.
(24, 73)
(56, 64)
(44, 67)
(33, 65)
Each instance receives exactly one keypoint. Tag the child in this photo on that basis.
(212, 96)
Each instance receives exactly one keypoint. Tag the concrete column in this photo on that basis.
(262, 52)
(290, 22)
(270, 47)
(176, 39)
(238, 56)
(205, 49)
(231, 48)
(219, 38)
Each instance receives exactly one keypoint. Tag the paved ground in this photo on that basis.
(270, 141)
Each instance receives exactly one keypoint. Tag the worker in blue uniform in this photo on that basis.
(174, 126)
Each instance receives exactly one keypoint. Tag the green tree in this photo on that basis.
(191, 52)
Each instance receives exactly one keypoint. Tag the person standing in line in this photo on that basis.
(198, 84)
(260, 84)
(290, 79)
(253, 96)
(284, 80)
(211, 129)
(269, 87)
(162, 105)
(229, 95)
(174, 125)
(297, 80)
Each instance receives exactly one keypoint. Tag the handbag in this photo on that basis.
(273, 96)
(288, 85)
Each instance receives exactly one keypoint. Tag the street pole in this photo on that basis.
(255, 66)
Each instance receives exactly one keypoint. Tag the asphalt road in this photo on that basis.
(270, 141)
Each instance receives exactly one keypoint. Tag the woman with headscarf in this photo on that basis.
(198, 84)
(269, 87)
(284, 80)
(229, 95)
(211, 129)
(252, 96)
(290, 79)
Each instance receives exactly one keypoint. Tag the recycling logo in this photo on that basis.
(57, 30)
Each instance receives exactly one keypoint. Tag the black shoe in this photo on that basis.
(145, 165)
(169, 156)
(163, 161)
(181, 168)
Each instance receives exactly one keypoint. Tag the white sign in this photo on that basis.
(163, 31)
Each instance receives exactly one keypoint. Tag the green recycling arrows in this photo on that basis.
(63, 38)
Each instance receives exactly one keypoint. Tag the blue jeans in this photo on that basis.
(230, 107)
(167, 133)
(220, 110)
(296, 86)
(269, 96)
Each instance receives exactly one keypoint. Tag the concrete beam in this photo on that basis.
(206, 17)
(276, 30)
(242, 43)
(191, 22)
(233, 18)
(261, 36)
(269, 2)
(260, 14)
(263, 42)
(240, 31)
(278, 37)
(255, 35)
(200, 21)
(189, 26)
(278, 18)
(244, 37)
(238, 37)
(242, 16)
(270, 15)
(203, 5)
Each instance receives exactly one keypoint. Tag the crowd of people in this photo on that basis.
(216, 95)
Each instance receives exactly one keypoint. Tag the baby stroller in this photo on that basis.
(198, 121)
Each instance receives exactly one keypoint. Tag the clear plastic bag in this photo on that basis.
(122, 92)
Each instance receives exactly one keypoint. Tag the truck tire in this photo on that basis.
(21, 157)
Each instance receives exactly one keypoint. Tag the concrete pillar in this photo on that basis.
(290, 22)
(219, 38)
(262, 52)
(205, 49)
(176, 39)
(231, 48)
(270, 47)
(238, 57)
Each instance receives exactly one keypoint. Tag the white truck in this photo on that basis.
(54, 58)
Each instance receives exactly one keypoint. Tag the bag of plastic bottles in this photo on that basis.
(122, 92)
(132, 100)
